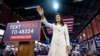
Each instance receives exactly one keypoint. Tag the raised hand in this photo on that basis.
(40, 10)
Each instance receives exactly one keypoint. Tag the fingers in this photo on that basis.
(42, 9)
(38, 8)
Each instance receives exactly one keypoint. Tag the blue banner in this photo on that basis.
(23, 31)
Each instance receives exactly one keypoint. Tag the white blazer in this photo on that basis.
(60, 33)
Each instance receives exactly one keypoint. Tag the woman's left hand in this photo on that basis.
(68, 48)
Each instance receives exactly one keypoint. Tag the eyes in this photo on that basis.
(57, 16)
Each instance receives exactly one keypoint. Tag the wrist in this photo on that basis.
(42, 16)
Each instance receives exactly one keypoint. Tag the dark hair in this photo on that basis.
(61, 21)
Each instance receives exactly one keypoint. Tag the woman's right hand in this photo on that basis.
(40, 11)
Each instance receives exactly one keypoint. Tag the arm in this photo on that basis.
(44, 21)
(67, 36)
(68, 47)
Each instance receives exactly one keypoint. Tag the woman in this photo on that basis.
(60, 38)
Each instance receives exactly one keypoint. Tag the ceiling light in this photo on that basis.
(84, 34)
(55, 5)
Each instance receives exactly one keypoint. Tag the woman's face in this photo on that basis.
(58, 18)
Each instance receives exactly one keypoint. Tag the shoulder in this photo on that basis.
(65, 25)
(53, 24)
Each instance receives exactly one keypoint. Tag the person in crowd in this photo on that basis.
(89, 53)
(11, 53)
(96, 53)
(1, 52)
(2, 47)
(60, 44)
(76, 54)
(75, 50)
(84, 54)
(8, 51)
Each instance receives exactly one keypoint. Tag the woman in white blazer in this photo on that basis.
(60, 38)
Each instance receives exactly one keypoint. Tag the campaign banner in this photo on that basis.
(92, 44)
(85, 45)
(23, 31)
(97, 39)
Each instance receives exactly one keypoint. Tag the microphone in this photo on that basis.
(26, 8)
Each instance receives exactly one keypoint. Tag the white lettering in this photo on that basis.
(15, 26)
(14, 32)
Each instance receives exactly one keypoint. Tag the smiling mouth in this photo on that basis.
(57, 18)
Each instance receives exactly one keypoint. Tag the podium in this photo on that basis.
(26, 33)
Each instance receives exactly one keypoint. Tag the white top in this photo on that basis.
(59, 31)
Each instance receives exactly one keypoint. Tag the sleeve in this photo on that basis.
(44, 21)
(67, 36)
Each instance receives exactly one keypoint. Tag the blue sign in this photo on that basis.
(23, 31)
